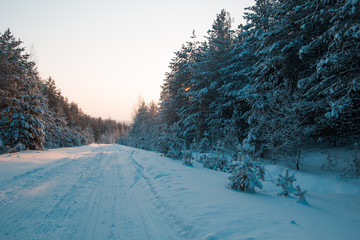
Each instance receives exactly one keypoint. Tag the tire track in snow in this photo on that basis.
(25, 182)
(139, 169)
(103, 212)
(69, 208)
(44, 206)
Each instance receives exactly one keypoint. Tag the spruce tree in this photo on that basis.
(21, 102)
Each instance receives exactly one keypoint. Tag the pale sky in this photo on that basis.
(104, 54)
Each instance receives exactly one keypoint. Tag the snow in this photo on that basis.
(117, 192)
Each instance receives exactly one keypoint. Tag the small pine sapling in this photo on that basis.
(300, 195)
(246, 175)
(218, 163)
(286, 183)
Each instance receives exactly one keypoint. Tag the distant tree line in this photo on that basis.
(290, 76)
(35, 115)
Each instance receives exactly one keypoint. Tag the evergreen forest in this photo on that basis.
(287, 79)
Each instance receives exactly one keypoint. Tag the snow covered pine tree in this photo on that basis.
(21, 102)
(246, 175)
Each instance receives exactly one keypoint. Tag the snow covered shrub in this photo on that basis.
(170, 145)
(215, 163)
(286, 183)
(246, 175)
(187, 156)
(353, 168)
(248, 145)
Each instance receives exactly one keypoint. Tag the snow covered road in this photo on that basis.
(92, 195)
(116, 192)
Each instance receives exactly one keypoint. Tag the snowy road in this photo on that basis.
(93, 195)
(116, 192)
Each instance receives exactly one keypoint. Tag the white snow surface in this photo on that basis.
(117, 192)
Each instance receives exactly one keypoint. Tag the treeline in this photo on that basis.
(290, 76)
(35, 115)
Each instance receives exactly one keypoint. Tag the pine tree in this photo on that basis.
(335, 83)
(232, 102)
(177, 83)
(206, 82)
(144, 131)
(22, 104)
